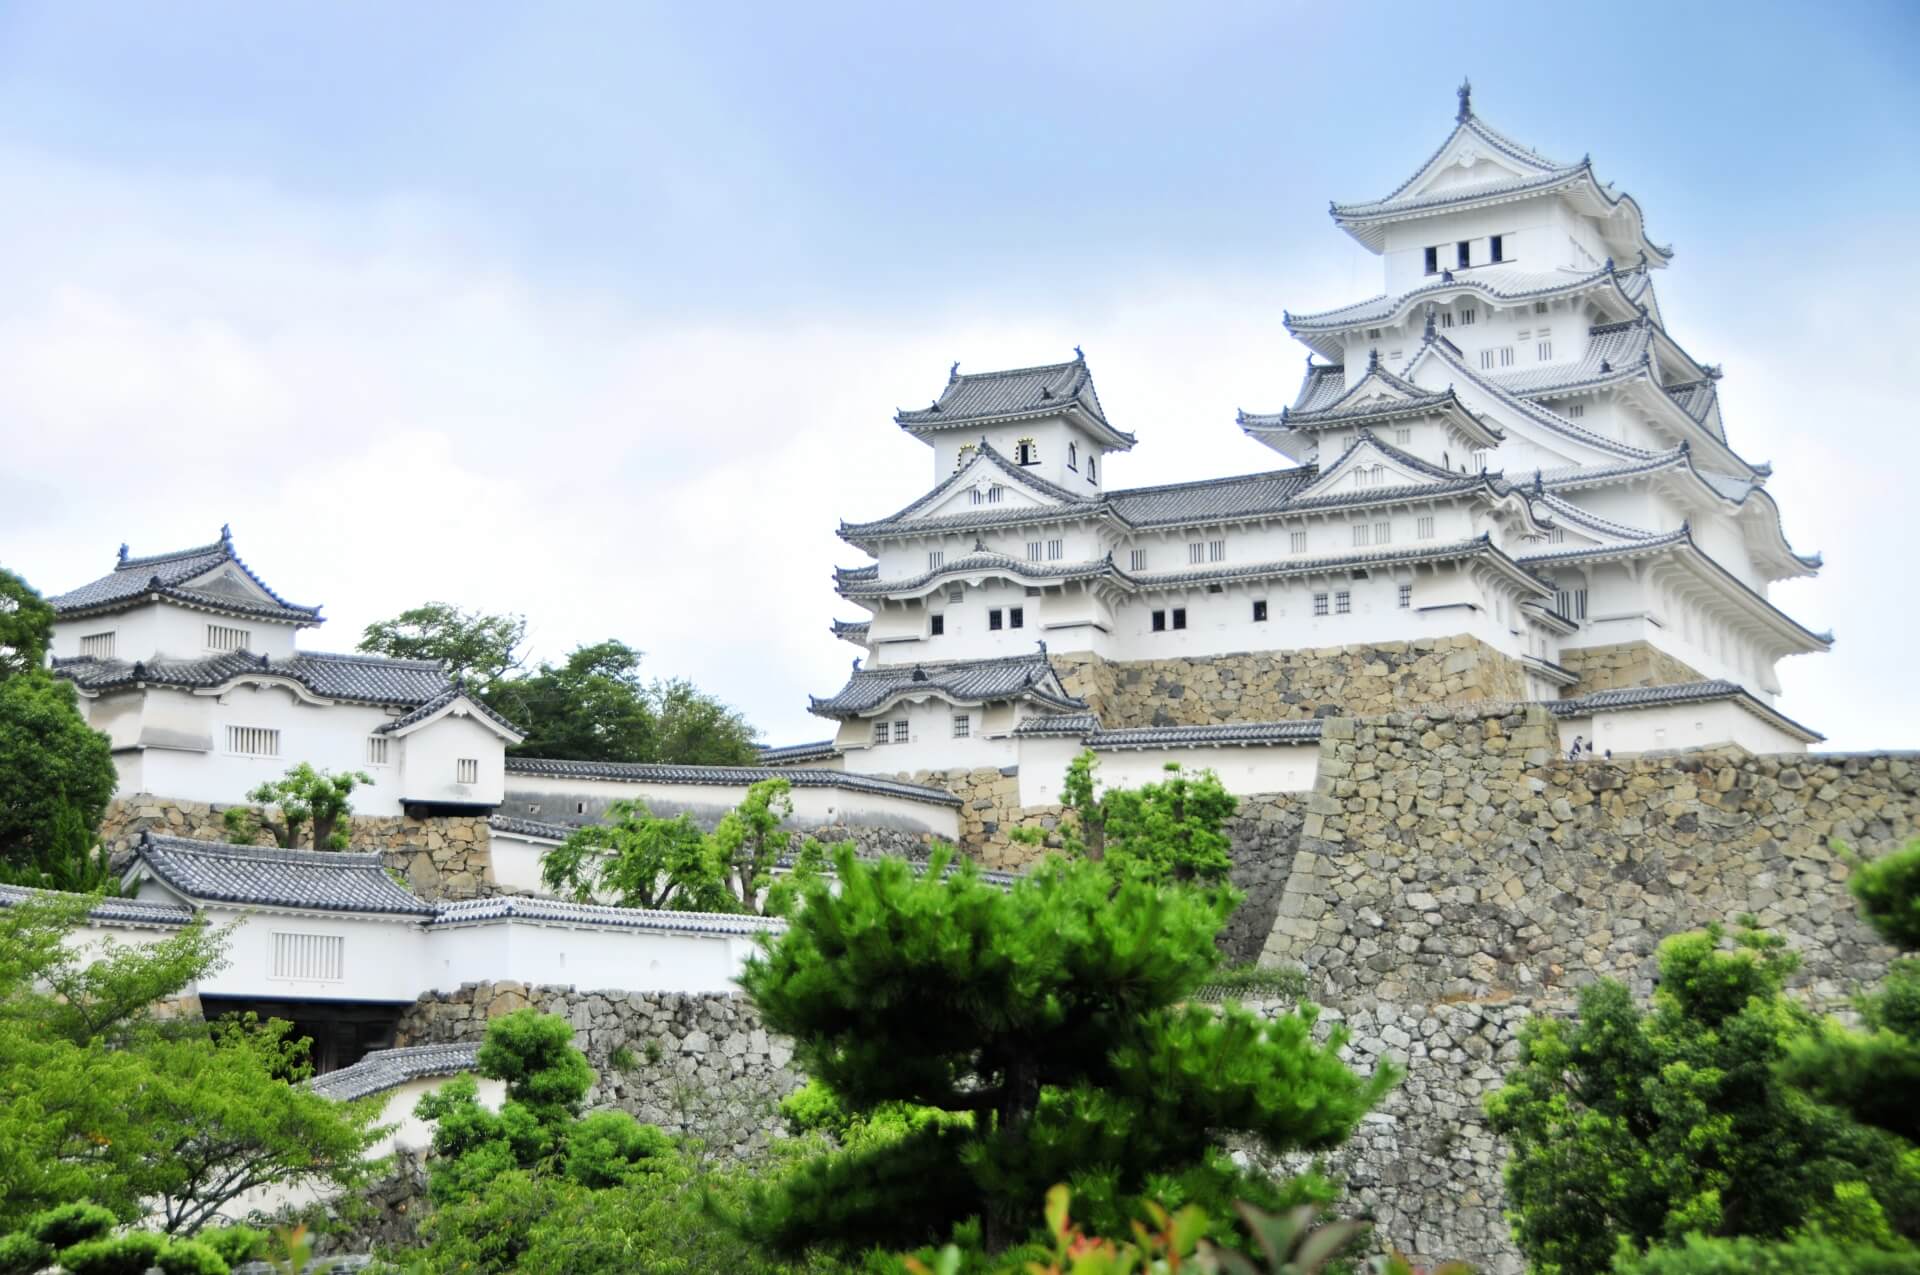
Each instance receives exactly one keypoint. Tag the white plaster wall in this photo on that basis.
(382, 960)
(163, 630)
(430, 757)
(516, 863)
(1243, 771)
(1051, 434)
(930, 744)
(812, 807)
(1673, 726)
(630, 960)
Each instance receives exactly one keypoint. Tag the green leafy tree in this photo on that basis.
(56, 778)
(1167, 831)
(104, 1098)
(695, 729)
(592, 706)
(1050, 1013)
(641, 860)
(302, 799)
(478, 647)
(1639, 1127)
(26, 627)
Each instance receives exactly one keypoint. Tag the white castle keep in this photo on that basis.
(1504, 459)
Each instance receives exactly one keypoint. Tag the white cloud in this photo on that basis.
(388, 411)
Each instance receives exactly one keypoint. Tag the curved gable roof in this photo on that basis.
(172, 575)
(985, 397)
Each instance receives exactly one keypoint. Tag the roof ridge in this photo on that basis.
(273, 854)
(366, 657)
(1263, 475)
(199, 551)
(1018, 371)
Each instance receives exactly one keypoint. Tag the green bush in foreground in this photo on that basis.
(117, 1255)
(1806, 1255)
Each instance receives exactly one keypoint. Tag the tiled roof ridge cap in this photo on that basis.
(1265, 475)
(1459, 280)
(366, 657)
(224, 546)
(449, 906)
(264, 854)
(1018, 371)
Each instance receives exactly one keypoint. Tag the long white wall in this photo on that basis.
(574, 800)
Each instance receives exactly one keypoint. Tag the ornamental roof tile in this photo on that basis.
(1029, 677)
(647, 773)
(520, 907)
(135, 912)
(324, 880)
(386, 1069)
(977, 397)
(854, 631)
(168, 574)
(372, 679)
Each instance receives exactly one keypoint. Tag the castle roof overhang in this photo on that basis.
(798, 754)
(720, 776)
(1480, 551)
(455, 701)
(1627, 699)
(316, 677)
(1449, 356)
(986, 462)
(1617, 293)
(1703, 576)
(137, 914)
(976, 399)
(1518, 172)
(529, 910)
(965, 683)
(385, 1070)
(1378, 398)
(201, 578)
(854, 631)
(213, 873)
(974, 569)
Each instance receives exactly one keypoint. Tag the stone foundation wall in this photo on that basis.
(447, 857)
(1271, 686)
(990, 810)
(1606, 668)
(701, 1063)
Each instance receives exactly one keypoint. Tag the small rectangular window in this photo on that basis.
(253, 741)
(1557, 536)
(962, 725)
(1159, 621)
(466, 770)
(1571, 603)
(936, 625)
(1541, 307)
(1216, 551)
(1433, 261)
(936, 559)
(1486, 360)
(956, 592)
(899, 730)
(1423, 527)
(979, 497)
(1373, 334)
(1402, 435)
(879, 732)
(1016, 617)
(1496, 249)
(994, 493)
(1137, 560)
(1319, 604)
(1034, 550)
(98, 645)
(309, 958)
(1482, 457)
(224, 637)
(1506, 356)
(1467, 316)
(378, 750)
(1342, 602)
(1577, 411)
(1297, 542)
(1465, 253)
(1383, 533)
(994, 618)
(1259, 610)
(1179, 617)
(1406, 597)
(1446, 318)
(1362, 535)
(1196, 552)
(1056, 550)
(1546, 350)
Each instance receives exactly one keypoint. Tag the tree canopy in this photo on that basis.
(26, 626)
(476, 647)
(1047, 1018)
(56, 778)
(1172, 830)
(302, 798)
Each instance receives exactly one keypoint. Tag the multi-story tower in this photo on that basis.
(1509, 482)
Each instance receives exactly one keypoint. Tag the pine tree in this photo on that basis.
(1047, 1020)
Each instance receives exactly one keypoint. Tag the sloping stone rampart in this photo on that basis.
(1623, 664)
(445, 857)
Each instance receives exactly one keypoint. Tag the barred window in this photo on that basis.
(1362, 535)
(994, 493)
(466, 770)
(1196, 553)
(379, 749)
(253, 741)
(936, 559)
(1056, 550)
(98, 645)
(899, 730)
(1297, 542)
(1406, 597)
(309, 958)
(879, 732)
(1034, 548)
(1342, 602)
(224, 637)
(1571, 603)
(1216, 551)
(1319, 604)
(1423, 526)
(1402, 435)
(1137, 560)
(1382, 533)
(962, 725)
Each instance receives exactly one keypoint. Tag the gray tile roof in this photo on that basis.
(536, 828)
(370, 679)
(1059, 724)
(385, 1069)
(520, 907)
(167, 574)
(1495, 283)
(323, 880)
(1449, 354)
(137, 912)
(1028, 677)
(980, 397)
(796, 754)
(645, 773)
(455, 691)
(985, 455)
(1479, 547)
(1240, 733)
(1615, 352)
(852, 584)
(854, 631)
(1681, 693)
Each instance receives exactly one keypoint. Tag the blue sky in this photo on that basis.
(600, 312)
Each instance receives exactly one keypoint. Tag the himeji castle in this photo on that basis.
(1505, 480)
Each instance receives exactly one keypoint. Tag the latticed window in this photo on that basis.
(253, 741)
(1423, 527)
(962, 725)
(1406, 597)
(309, 958)
(1319, 604)
(98, 645)
(899, 730)
(224, 637)
(466, 770)
(379, 749)
(1342, 602)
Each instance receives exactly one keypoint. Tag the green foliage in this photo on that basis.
(56, 777)
(1051, 1013)
(234, 1244)
(102, 1100)
(23, 1255)
(302, 798)
(1804, 1255)
(640, 860)
(533, 1052)
(594, 706)
(1242, 981)
(475, 647)
(1162, 832)
(1644, 1127)
(129, 1254)
(1888, 890)
(191, 1257)
(68, 1224)
(26, 627)
(609, 1147)
(623, 1059)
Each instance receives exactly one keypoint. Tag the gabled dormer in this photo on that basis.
(1044, 419)
(181, 605)
(1328, 417)
(987, 487)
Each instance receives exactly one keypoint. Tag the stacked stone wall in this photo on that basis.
(1271, 686)
(695, 1063)
(444, 857)
(1623, 664)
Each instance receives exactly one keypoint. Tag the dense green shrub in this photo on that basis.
(68, 1224)
(191, 1257)
(608, 1147)
(234, 1244)
(128, 1254)
(1807, 1255)
(22, 1254)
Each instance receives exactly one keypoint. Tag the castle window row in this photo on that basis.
(890, 732)
(991, 496)
(1462, 254)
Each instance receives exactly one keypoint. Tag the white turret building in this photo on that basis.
(1507, 481)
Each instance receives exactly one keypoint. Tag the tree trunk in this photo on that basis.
(1007, 1220)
